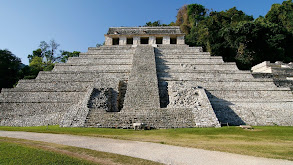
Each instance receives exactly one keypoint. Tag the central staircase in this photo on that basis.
(142, 88)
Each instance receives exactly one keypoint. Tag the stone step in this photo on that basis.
(33, 107)
(178, 49)
(158, 118)
(52, 85)
(112, 47)
(220, 86)
(103, 56)
(229, 83)
(205, 81)
(199, 75)
(119, 51)
(106, 56)
(241, 87)
(255, 113)
(193, 62)
(47, 87)
(220, 80)
(267, 116)
(187, 56)
(184, 54)
(283, 105)
(187, 49)
(80, 76)
(250, 95)
(40, 96)
(172, 46)
(241, 72)
(235, 101)
(189, 60)
(85, 72)
(94, 61)
(195, 57)
(110, 50)
(92, 67)
(52, 81)
(28, 114)
(198, 66)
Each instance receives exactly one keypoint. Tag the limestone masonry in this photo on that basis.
(281, 73)
(146, 75)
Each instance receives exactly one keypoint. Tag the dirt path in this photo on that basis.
(167, 154)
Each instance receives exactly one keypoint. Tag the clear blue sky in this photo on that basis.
(79, 24)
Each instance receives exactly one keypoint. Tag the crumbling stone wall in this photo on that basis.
(185, 95)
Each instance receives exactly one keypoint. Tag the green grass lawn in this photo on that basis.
(14, 153)
(270, 142)
(19, 151)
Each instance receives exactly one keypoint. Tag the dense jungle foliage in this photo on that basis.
(238, 37)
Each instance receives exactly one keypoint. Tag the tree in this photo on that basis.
(208, 31)
(189, 16)
(196, 13)
(44, 48)
(42, 59)
(36, 53)
(66, 54)
(155, 23)
(49, 50)
(35, 66)
(27, 73)
(237, 37)
(54, 46)
(37, 63)
(182, 20)
(282, 14)
(259, 41)
(9, 67)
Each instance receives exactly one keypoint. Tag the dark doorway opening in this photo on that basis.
(144, 40)
(115, 41)
(129, 41)
(159, 40)
(173, 40)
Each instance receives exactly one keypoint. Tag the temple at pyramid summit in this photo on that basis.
(146, 75)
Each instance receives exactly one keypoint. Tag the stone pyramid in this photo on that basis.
(145, 75)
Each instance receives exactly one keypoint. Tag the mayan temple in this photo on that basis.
(146, 75)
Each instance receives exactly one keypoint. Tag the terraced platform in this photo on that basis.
(168, 86)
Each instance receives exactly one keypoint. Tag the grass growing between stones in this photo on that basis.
(270, 142)
(19, 151)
